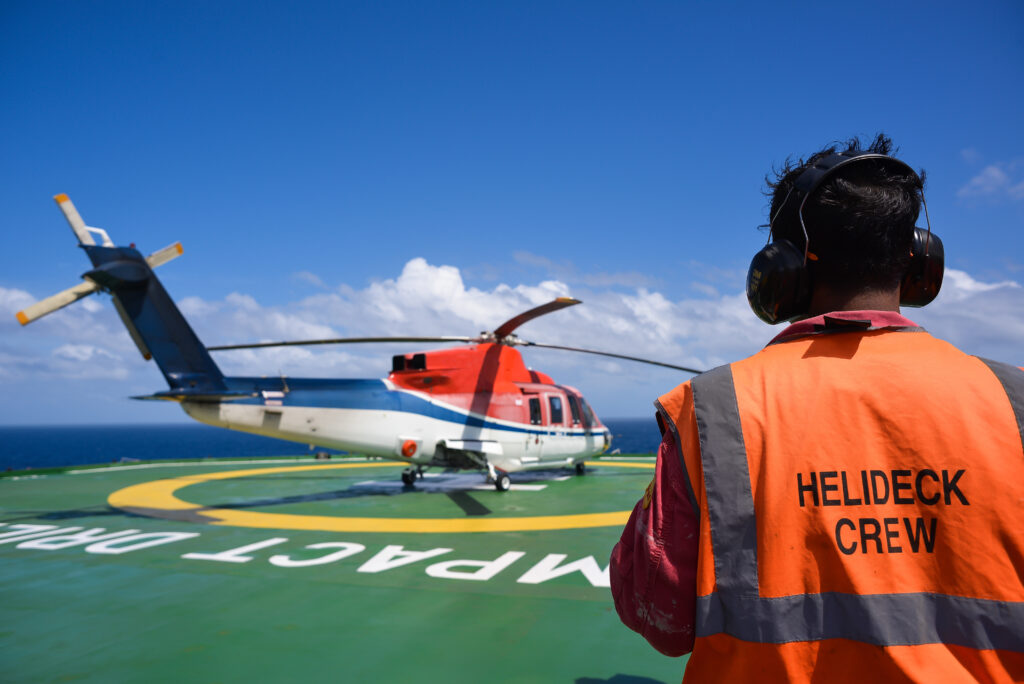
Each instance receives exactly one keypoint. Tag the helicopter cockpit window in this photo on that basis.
(588, 413)
(556, 410)
(418, 362)
(397, 363)
(535, 410)
(574, 408)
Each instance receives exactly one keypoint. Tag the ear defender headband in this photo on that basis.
(778, 282)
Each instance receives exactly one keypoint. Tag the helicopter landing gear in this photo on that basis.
(409, 476)
(581, 468)
(500, 478)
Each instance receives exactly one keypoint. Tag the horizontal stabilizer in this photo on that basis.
(57, 301)
(193, 395)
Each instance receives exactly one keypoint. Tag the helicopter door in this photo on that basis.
(557, 439)
(534, 446)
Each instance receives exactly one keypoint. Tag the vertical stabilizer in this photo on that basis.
(152, 319)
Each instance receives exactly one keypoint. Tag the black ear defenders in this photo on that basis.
(778, 282)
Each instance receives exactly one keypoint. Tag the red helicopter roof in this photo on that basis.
(487, 378)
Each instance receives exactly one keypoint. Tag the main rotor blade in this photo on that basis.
(340, 340)
(506, 328)
(615, 356)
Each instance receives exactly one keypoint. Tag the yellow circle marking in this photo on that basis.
(158, 499)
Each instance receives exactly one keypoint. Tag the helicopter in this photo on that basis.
(473, 407)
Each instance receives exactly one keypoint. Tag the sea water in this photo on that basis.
(51, 446)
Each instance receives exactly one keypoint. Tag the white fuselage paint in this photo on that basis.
(382, 433)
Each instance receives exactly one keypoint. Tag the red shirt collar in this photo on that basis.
(845, 320)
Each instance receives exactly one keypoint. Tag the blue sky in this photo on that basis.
(427, 168)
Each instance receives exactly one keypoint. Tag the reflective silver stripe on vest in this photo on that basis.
(726, 482)
(880, 619)
(1012, 380)
(737, 609)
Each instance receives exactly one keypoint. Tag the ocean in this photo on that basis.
(53, 446)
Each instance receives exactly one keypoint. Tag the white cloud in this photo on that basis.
(194, 306)
(12, 301)
(990, 181)
(91, 304)
(310, 278)
(705, 289)
(242, 301)
(994, 181)
(699, 331)
(958, 286)
(81, 352)
(971, 155)
(986, 319)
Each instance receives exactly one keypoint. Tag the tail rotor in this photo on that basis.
(85, 237)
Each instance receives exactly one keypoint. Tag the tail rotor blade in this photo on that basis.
(57, 301)
(74, 219)
(133, 330)
(162, 256)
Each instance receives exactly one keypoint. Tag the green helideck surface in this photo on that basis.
(151, 614)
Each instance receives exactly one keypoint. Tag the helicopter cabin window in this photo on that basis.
(574, 408)
(556, 410)
(535, 410)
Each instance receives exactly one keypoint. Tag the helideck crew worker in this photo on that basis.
(846, 505)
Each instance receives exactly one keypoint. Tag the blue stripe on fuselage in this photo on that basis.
(373, 395)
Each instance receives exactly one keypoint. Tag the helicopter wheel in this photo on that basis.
(502, 482)
(408, 477)
(581, 468)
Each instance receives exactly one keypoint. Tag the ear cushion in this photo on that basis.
(921, 285)
(778, 286)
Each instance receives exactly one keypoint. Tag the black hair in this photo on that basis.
(860, 221)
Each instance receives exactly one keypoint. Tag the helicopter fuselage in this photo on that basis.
(529, 428)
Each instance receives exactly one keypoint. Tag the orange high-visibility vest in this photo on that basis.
(861, 507)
